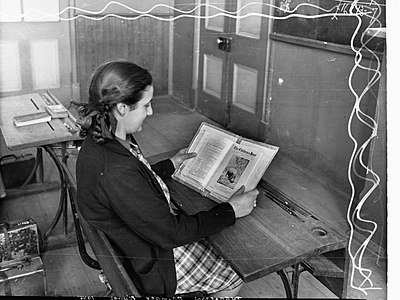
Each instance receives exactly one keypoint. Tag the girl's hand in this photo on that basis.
(181, 156)
(243, 202)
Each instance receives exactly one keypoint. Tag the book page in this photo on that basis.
(234, 171)
(211, 145)
(268, 153)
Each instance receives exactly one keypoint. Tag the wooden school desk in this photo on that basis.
(43, 135)
(279, 235)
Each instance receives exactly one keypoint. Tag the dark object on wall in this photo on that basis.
(23, 278)
(15, 170)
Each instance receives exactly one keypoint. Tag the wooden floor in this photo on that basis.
(171, 127)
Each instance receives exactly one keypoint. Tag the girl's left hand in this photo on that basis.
(181, 156)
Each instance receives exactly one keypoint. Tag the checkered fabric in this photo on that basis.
(135, 150)
(199, 268)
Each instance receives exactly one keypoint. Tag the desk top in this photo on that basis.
(267, 240)
(34, 135)
(270, 238)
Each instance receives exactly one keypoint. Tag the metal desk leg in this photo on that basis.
(286, 283)
(64, 186)
(62, 207)
(291, 286)
(295, 280)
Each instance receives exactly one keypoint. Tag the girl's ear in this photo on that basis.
(121, 109)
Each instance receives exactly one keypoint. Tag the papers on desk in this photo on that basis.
(33, 118)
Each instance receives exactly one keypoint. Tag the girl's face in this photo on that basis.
(133, 120)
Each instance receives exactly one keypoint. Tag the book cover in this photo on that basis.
(33, 118)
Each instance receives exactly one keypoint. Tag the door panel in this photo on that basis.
(212, 75)
(215, 23)
(244, 92)
(249, 26)
(240, 105)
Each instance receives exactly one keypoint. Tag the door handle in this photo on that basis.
(224, 44)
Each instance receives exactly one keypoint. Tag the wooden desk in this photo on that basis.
(42, 135)
(272, 238)
(37, 135)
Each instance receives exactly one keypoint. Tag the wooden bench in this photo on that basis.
(108, 259)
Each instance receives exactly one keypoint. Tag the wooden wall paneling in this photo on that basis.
(119, 37)
(111, 32)
(136, 42)
(183, 52)
(123, 32)
(162, 56)
(84, 55)
(148, 34)
(183, 60)
(144, 41)
(99, 42)
(115, 41)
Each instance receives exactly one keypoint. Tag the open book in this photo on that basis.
(224, 162)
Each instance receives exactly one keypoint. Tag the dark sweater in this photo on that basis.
(120, 196)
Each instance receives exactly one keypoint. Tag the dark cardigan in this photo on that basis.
(120, 196)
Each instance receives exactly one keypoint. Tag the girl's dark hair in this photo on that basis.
(114, 82)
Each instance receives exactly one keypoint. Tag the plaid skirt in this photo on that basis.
(199, 268)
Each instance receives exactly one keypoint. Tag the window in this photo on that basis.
(29, 11)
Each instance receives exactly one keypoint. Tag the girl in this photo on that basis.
(126, 198)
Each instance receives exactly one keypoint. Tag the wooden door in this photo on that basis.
(232, 69)
(213, 62)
